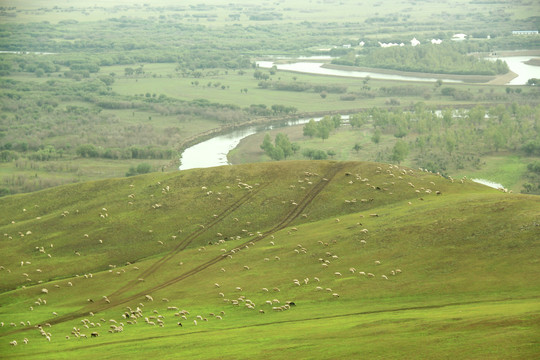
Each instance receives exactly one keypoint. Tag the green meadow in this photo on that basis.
(107, 251)
(370, 265)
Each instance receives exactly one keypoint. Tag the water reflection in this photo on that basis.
(315, 68)
(213, 152)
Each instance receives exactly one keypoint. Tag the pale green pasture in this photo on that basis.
(185, 88)
(341, 141)
(431, 333)
(506, 170)
(219, 10)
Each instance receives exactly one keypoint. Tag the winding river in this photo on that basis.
(213, 152)
(517, 64)
(316, 68)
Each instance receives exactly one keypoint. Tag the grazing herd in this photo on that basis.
(241, 295)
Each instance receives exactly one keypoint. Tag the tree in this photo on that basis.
(315, 154)
(310, 129)
(400, 151)
(357, 147)
(477, 114)
(376, 138)
(144, 168)
(282, 149)
(259, 75)
(323, 132)
(448, 117)
(357, 120)
(267, 145)
(497, 139)
(337, 121)
(282, 142)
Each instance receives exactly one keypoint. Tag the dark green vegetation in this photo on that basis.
(448, 141)
(449, 58)
(454, 273)
(101, 101)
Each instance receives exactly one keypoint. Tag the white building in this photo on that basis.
(525, 32)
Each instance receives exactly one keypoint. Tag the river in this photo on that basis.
(316, 68)
(524, 71)
(213, 152)
(515, 63)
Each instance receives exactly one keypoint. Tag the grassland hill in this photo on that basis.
(305, 259)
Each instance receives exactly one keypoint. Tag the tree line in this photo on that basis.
(438, 59)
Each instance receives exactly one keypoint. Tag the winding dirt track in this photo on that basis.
(189, 239)
(288, 219)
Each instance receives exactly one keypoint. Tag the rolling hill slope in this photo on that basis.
(274, 260)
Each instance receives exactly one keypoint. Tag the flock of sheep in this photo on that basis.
(314, 252)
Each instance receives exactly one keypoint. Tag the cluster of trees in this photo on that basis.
(281, 149)
(266, 16)
(439, 59)
(452, 139)
(532, 186)
(299, 86)
(317, 154)
(276, 109)
(142, 168)
(323, 128)
(440, 140)
(132, 152)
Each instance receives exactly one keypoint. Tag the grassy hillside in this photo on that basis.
(454, 273)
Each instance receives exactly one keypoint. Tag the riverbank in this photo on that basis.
(261, 121)
(516, 53)
(533, 62)
(503, 79)
(463, 78)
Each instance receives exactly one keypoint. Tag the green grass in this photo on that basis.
(162, 79)
(507, 170)
(344, 11)
(468, 262)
